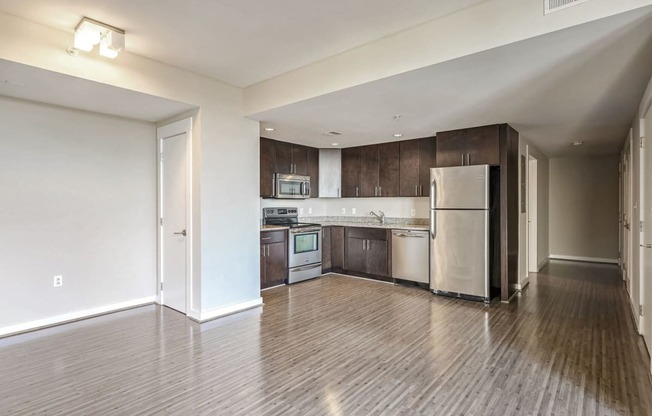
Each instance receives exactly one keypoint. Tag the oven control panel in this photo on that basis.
(280, 212)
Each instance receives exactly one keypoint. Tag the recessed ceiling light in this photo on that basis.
(335, 144)
(269, 128)
(398, 135)
(577, 143)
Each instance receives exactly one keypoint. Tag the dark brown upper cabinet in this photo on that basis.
(350, 172)
(473, 146)
(283, 157)
(371, 171)
(313, 171)
(416, 158)
(291, 158)
(267, 167)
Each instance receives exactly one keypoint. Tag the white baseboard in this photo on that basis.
(585, 259)
(523, 284)
(543, 263)
(229, 310)
(74, 316)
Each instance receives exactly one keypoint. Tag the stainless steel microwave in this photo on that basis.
(288, 186)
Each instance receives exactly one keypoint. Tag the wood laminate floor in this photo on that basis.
(343, 346)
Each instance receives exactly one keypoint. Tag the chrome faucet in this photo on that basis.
(381, 217)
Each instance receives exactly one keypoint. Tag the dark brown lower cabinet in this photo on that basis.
(337, 248)
(273, 258)
(326, 263)
(367, 251)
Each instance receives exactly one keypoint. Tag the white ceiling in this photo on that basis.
(240, 42)
(583, 83)
(40, 85)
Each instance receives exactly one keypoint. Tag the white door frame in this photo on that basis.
(532, 214)
(164, 132)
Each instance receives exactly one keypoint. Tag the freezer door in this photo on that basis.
(459, 256)
(460, 187)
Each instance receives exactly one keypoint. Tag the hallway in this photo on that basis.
(344, 346)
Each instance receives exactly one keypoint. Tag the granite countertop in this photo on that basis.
(391, 223)
(273, 227)
(413, 224)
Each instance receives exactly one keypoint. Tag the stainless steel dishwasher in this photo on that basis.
(410, 255)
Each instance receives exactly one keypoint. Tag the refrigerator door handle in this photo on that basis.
(433, 224)
(433, 194)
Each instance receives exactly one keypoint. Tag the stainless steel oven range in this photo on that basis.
(304, 253)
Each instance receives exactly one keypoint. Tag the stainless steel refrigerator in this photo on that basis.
(460, 246)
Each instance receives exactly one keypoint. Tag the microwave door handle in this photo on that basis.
(302, 186)
(306, 188)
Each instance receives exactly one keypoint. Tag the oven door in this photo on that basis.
(305, 247)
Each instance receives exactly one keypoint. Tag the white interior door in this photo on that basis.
(646, 237)
(173, 228)
(533, 258)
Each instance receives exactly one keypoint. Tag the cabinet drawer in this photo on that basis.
(267, 237)
(366, 233)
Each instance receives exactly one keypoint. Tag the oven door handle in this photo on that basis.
(303, 269)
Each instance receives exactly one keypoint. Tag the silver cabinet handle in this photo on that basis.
(364, 244)
(357, 191)
(368, 244)
(268, 250)
(263, 250)
(380, 191)
(266, 238)
(182, 232)
(462, 159)
(468, 159)
(416, 190)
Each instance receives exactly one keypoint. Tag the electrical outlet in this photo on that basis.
(353, 211)
(413, 212)
(58, 281)
(309, 210)
(343, 210)
(300, 211)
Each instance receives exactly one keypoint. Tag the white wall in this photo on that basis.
(225, 147)
(584, 208)
(78, 199)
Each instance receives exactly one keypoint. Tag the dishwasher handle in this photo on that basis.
(406, 235)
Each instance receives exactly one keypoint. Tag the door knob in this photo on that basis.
(183, 233)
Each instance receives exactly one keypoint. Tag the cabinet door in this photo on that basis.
(376, 257)
(300, 159)
(427, 160)
(263, 281)
(267, 167)
(355, 258)
(313, 171)
(276, 266)
(409, 154)
(388, 169)
(451, 149)
(369, 171)
(283, 157)
(350, 172)
(337, 248)
(326, 262)
(483, 145)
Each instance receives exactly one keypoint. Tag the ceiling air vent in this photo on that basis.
(550, 6)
